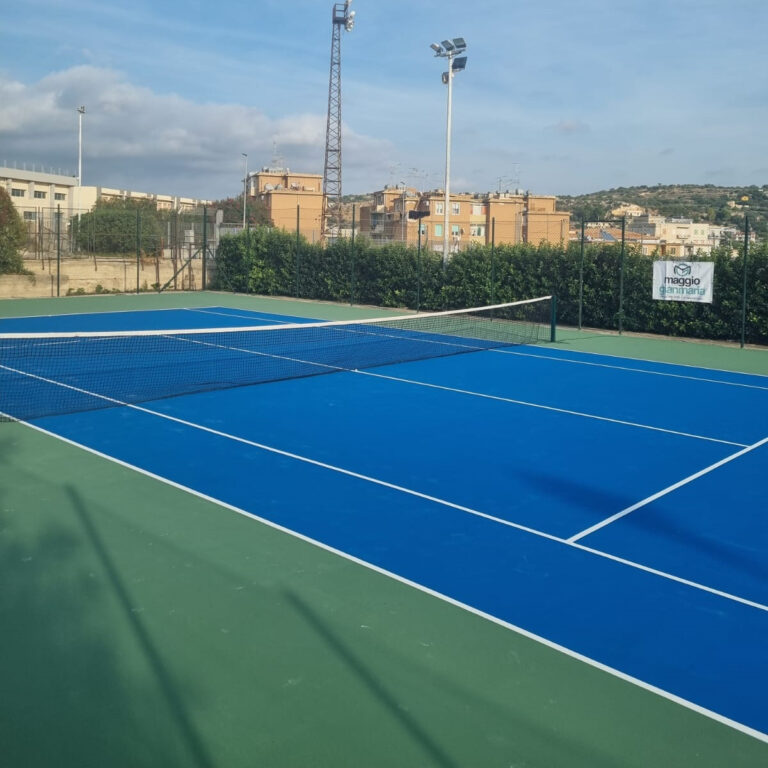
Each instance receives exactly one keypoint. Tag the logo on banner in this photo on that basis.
(683, 281)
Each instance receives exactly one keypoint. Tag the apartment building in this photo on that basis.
(678, 236)
(518, 217)
(289, 197)
(38, 195)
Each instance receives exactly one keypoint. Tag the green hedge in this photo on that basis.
(264, 261)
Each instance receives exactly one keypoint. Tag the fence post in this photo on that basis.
(352, 276)
(138, 247)
(744, 283)
(553, 320)
(581, 273)
(205, 245)
(298, 244)
(493, 261)
(621, 277)
(58, 250)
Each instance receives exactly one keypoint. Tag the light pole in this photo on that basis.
(245, 187)
(449, 49)
(80, 113)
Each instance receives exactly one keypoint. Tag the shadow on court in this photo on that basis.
(68, 698)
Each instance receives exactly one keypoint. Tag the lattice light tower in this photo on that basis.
(342, 17)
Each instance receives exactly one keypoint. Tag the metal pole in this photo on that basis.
(245, 187)
(581, 274)
(621, 277)
(352, 276)
(205, 240)
(493, 260)
(298, 243)
(744, 283)
(418, 276)
(80, 113)
(58, 250)
(446, 217)
(138, 247)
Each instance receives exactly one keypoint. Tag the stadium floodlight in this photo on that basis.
(448, 49)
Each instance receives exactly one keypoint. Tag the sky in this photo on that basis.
(557, 98)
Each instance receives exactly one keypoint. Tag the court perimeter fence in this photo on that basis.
(615, 285)
(603, 286)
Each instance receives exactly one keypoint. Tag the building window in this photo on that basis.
(423, 228)
(30, 215)
(59, 196)
(455, 209)
(477, 230)
(438, 230)
(455, 230)
(17, 193)
(439, 209)
(477, 210)
(39, 195)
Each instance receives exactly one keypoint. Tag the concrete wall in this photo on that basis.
(99, 276)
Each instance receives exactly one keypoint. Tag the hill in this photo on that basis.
(707, 203)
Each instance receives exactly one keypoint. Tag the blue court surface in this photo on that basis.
(614, 509)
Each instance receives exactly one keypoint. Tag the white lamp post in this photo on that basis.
(80, 113)
(449, 49)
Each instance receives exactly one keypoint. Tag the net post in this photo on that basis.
(553, 319)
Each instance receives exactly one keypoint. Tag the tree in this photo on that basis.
(257, 215)
(13, 233)
(111, 227)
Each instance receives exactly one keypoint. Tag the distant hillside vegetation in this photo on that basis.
(706, 203)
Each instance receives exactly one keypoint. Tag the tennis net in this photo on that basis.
(46, 374)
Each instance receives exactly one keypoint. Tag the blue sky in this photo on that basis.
(563, 97)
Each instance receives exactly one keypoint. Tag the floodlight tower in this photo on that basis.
(451, 50)
(341, 17)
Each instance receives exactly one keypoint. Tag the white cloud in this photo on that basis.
(139, 139)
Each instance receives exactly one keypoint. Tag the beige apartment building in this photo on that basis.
(518, 217)
(38, 195)
(290, 196)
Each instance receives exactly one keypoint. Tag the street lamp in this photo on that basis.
(245, 187)
(80, 113)
(449, 49)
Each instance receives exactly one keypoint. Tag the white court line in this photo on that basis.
(550, 408)
(665, 491)
(646, 360)
(633, 370)
(394, 487)
(456, 390)
(254, 316)
(105, 312)
(708, 713)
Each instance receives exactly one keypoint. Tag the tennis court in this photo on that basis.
(496, 554)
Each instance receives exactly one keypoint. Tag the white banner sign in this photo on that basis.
(683, 280)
